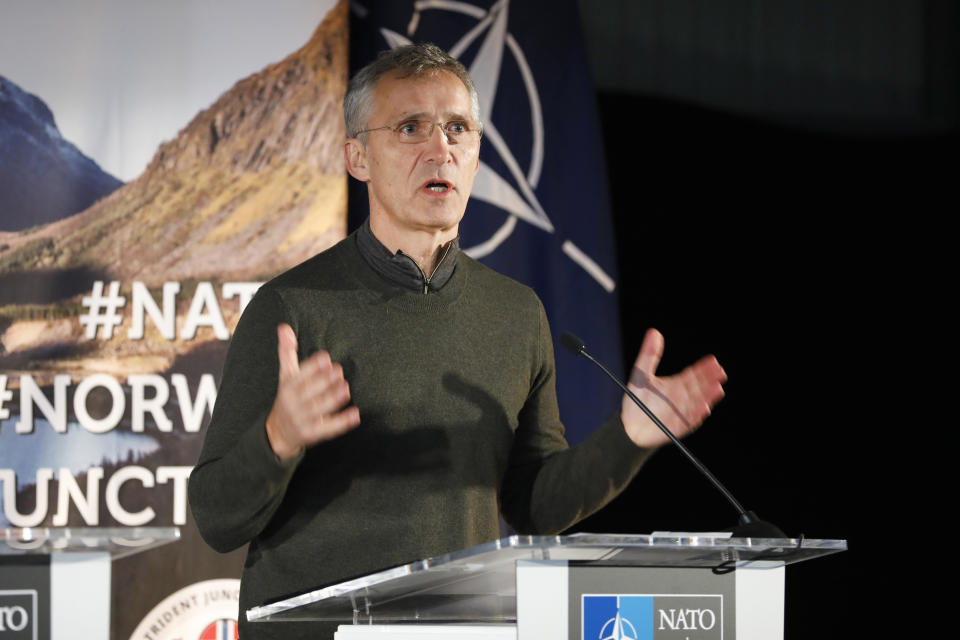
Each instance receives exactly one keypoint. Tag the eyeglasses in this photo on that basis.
(414, 131)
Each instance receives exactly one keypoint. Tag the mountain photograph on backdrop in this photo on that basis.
(252, 185)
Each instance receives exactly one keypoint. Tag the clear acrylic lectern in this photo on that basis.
(55, 582)
(549, 586)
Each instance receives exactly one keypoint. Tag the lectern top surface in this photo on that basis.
(117, 541)
(483, 576)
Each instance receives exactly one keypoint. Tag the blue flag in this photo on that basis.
(539, 211)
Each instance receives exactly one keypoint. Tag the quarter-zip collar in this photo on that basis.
(400, 268)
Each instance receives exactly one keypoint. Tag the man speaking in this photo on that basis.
(387, 399)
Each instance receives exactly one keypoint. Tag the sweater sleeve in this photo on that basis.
(238, 482)
(550, 486)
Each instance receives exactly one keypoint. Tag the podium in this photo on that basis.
(55, 582)
(585, 586)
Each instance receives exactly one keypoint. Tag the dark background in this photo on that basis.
(782, 178)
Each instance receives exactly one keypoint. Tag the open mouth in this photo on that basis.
(438, 186)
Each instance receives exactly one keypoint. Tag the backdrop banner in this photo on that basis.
(158, 162)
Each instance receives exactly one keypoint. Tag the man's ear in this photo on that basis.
(356, 156)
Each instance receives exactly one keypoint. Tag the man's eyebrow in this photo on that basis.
(454, 115)
(420, 115)
(423, 115)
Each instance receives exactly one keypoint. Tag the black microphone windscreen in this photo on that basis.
(572, 343)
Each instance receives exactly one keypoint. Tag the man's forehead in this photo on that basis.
(412, 97)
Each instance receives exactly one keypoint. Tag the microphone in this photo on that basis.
(749, 524)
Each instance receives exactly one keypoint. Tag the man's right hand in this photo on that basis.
(311, 400)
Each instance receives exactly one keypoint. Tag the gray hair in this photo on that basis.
(412, 60)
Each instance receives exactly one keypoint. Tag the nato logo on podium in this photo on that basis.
(652, 617)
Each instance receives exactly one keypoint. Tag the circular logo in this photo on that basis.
(206, 610)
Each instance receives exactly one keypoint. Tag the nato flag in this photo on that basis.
(539, 211)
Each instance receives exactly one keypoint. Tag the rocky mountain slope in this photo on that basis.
(43, 177)
(253, 184)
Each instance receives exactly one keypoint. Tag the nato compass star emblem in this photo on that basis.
(520, 202)
(618, 628)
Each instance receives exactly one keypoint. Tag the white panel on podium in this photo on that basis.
(427, 632)
(760, 604)
(80, 595)
(542, 600)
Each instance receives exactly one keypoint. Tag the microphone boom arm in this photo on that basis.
(750, 523)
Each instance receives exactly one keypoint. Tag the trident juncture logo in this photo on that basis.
(489, 186)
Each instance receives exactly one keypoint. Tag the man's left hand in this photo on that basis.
(681, 401)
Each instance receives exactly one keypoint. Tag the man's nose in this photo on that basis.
(438, 146)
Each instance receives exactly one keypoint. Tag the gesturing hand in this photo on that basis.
(681, 401)
(311, 396)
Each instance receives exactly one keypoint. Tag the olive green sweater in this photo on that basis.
(459, 421)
